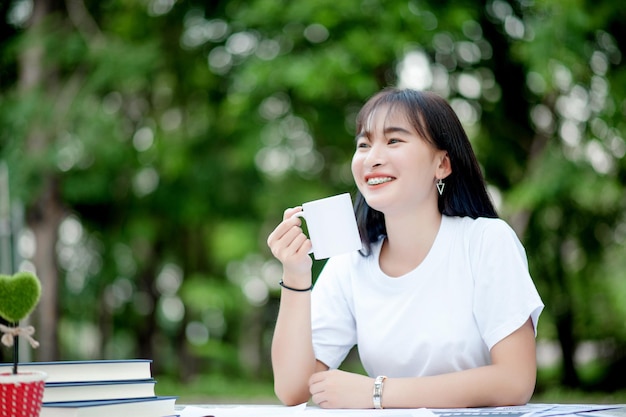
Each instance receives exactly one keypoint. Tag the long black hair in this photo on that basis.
(465, 193)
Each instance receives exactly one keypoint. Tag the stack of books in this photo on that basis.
(99, 388)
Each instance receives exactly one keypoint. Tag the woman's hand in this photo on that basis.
(291, 246)
(340, 389)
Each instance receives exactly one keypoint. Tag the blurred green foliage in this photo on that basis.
(154, 144)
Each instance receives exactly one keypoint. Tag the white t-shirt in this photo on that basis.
(472, 290)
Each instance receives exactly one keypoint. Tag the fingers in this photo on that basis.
(288, 239)
(288, 222)
(340, 389)
(290, 212)
(316, 388)
(324, 390)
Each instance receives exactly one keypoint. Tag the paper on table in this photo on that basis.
(276, 411)
(536, 410)
(504, 411)
(390, 412)
(241, 410)
(574, 409)
(613, 412)
(529, 410)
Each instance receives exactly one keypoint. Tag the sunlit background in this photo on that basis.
(147, 148)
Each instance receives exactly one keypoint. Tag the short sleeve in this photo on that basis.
(505, 294)
(332, 319)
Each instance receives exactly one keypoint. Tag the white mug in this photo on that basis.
(332, 226)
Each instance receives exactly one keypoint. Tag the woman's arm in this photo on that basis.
(509, 380)
(293, 360)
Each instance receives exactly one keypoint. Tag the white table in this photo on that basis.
(304, 410)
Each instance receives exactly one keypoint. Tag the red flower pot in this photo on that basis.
(21, 394)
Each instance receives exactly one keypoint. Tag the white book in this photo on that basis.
(85, 371)
(142, 407)
(98, 390)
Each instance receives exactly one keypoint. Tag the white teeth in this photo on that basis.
(378, 180)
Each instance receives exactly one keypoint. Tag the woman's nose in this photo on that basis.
(375, 156)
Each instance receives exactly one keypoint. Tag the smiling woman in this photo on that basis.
(439, 302)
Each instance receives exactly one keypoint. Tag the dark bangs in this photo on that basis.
(393, 101)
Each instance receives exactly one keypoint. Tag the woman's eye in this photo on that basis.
(361, 145)
(392, 141)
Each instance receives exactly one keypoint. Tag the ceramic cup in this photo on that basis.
(331, 226)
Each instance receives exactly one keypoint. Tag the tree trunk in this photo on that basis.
(45, 214)
(44, 218)
(564, 320)
(564, 325)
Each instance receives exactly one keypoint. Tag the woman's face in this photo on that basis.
(395, 168)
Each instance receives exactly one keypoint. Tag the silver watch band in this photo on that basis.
(377, 397)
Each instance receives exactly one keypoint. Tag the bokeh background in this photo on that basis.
(148, 147)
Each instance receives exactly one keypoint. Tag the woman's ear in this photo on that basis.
(445, 166)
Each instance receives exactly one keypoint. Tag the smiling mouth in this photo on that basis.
(378, 180)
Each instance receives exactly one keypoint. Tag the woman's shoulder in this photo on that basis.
(492, 237)
(481, 226)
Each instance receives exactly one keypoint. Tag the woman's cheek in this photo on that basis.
(355, 167)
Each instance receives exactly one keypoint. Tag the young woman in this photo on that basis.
(439, 303)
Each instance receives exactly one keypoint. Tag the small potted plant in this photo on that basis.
(21, 393)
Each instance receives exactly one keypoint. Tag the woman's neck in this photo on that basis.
(409, 240)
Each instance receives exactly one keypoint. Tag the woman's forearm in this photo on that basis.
(479, 387)
(293, 360)
(509, 380)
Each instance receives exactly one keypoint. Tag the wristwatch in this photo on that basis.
(377, 397)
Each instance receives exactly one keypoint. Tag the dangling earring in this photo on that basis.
(440, 184)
